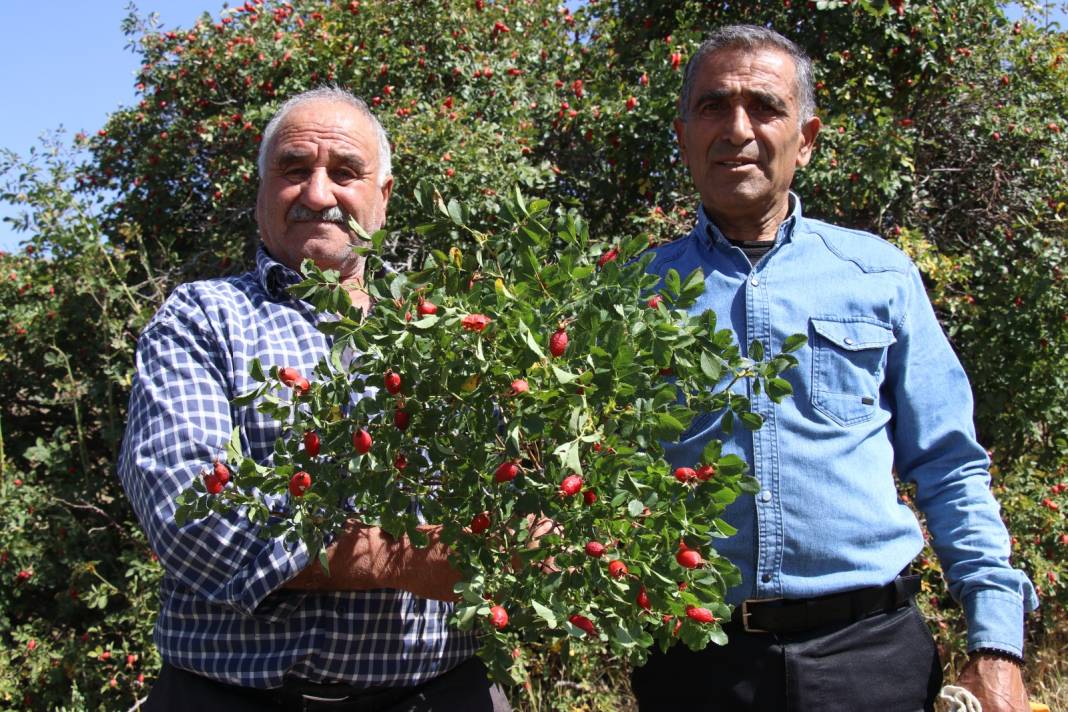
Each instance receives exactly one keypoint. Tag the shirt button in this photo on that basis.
(765, 496)
(755, 281)
(766, 578)
(848, 340)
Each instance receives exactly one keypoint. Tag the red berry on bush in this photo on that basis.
(498, 617)
(393, 382)
(212, 484)
(589, 497)
(426, 308)
(299, 483)
(688, 558)
(617, 569)
(506, 471)
(402, 418)
(311, 443)
(361, 440)
(699, 615)
(301, 386)
(480, 522)
(221, 472)
(519, 386)
(654, 301)
(288, 376)
(558, 343)
(571, 485)
(584, 624)
(400, 461)
(595, 549)
(685, 474)
(706, 472)
(610, 255)
(475, 322)
(643, 599)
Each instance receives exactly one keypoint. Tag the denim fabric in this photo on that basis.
(222, 611)
(878, 393)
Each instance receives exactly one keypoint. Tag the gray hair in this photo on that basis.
(328, 93)
(750, 38)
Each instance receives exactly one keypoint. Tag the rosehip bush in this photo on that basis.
(608, 378)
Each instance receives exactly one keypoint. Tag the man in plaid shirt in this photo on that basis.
(245, 623)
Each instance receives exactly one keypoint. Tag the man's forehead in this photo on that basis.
(740, 70)
(345, 127)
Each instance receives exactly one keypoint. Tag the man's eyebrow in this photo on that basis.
(351, 159)
(773, 100)
(289, 156)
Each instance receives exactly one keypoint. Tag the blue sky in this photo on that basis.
(65, 65)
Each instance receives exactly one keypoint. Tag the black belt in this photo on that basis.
(798, 615)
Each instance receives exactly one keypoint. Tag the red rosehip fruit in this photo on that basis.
(506, 471)
(221, 472)
(654, 301)
(311, 443)
(480, 522)
(361, 440)
(643, 599)
(699, 615)
(685, 474)
(402, 418)
(400, 461)
(475, 322)
(301, 386)
(589, 497)
(299, 483)
(584, 624)
(212, 484)
(288, 376)
(688, 558)
(706, 472)
(393, 382)
(519, 386)
(617, 569)
(427, 308)
(570, 485)
(610, 255)
(558, 343)
(595, 549)
(498, 617)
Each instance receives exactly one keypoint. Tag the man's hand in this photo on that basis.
(996, 683)
(364, 558)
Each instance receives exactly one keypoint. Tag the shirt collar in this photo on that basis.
(705, 225)
(273, 276)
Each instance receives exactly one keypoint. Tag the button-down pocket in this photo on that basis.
(848, 358)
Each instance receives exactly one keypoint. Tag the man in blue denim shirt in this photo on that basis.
(824, 620)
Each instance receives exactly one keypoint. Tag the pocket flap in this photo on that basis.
(854, 335)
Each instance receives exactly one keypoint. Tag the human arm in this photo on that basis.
(996, 682)
(935, 447)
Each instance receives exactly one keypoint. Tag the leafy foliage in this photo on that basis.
(943, 131)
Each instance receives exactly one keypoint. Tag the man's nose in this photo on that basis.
(318, 193)
(739, 129)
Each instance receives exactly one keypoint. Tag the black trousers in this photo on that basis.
(465, 687)
(887, 662)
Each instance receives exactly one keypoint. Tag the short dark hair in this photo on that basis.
(753, 37)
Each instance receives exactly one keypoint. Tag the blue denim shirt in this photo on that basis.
(878, 392)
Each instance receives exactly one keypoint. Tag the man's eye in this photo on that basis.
(296, 173)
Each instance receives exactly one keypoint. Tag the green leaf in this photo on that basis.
(635, 507)
(756, 351)
(711, 367)
(794, 342)
(529, 340)
(728, 422)
(779, 388)
(750, 420)
(673, 283)
(256, 371)
(456, 212)
(545, 614)
(563, 376)
(749, 484)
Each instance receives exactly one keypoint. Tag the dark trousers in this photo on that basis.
(887, 663)
(465, 687)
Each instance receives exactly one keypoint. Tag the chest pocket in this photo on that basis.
(848, 358)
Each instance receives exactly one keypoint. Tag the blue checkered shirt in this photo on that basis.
(223, 613)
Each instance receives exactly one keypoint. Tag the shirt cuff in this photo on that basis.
(252, 594)
(995, 620)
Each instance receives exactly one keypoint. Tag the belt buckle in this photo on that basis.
(746, 613)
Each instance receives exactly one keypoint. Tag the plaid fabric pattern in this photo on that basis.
(222, 613)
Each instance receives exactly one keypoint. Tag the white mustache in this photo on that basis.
(334, 214)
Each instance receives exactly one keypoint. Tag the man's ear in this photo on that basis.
(809, 130)
(387, 190)
(680, 137)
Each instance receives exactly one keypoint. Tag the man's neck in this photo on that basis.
(761, 228)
